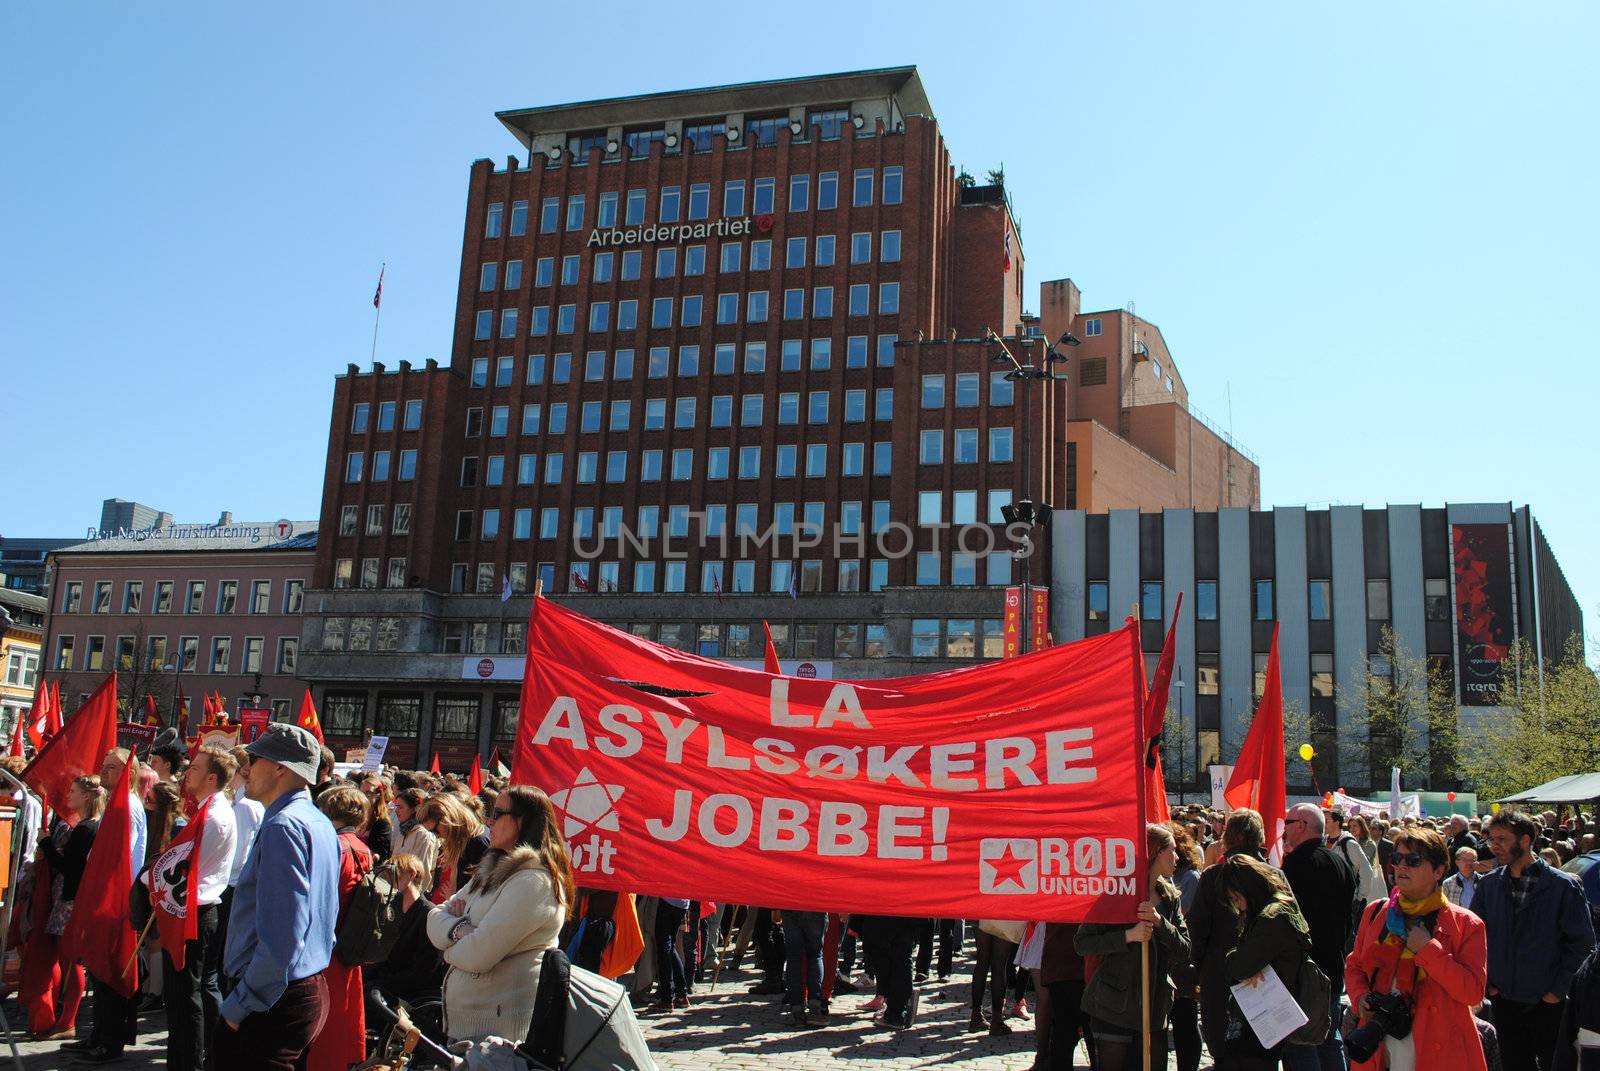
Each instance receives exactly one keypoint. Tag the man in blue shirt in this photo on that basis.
(285, 908)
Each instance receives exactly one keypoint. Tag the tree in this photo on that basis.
(997, 176)
(138, 676)
(1402, 713)
(1547, 724)
(965, 179)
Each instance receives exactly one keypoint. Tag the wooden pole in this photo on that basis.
(538, 586)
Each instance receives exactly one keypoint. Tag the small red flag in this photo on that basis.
(99, 934)
(307, 718)
(57, 715)
(16, 738)
(38, 716)
(1258, 776)
(433, 767)
(772, 651)
(475, 778)
(377, 298)
(77, 749)
(151, 715)
(174, 885)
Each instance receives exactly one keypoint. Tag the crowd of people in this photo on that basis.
(1412, 944)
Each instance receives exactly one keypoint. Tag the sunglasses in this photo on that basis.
(1412, 859)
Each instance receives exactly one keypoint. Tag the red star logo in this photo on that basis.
(1008, 868)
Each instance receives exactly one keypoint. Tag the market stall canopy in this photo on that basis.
(1573, 788)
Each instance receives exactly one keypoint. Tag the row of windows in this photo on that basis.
(185, 659)
(822, 250)
(1319, 600)
(689, 311)
(258, 601)
(684, 410)
(22, 668)
(794, 354)
(361, 416)
(673, 206)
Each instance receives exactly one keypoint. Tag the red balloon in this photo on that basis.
(1451, 796)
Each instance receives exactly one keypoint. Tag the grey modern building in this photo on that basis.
(1456, 584)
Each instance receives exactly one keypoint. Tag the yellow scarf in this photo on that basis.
(1428, 905)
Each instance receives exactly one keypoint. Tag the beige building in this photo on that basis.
(21, 640)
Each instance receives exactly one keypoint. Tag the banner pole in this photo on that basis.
(1144, 946)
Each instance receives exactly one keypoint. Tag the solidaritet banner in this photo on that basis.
(1005, 790)
(1039, 618)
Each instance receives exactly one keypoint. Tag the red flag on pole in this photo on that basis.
(433, 767)
(77, 749)
(377, 297)
(772, 651)
(475, 777)
(307, 718)
(99, 934)
(1258, 776)
(151, 715)
(16, 738)
(57, 716)
(38, 716)
(174, 885)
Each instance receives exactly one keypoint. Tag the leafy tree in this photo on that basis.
(997, 176)
(1547, 724)
(965, 179)
(1404, 717)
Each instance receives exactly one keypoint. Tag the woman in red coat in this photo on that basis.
(343, 1038)
(1431, 951)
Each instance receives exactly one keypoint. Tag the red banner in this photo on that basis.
(253, 721)
(1039, 618)
(1485, 618)
(1013, 626)
(1006, 790)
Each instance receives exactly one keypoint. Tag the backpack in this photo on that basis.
(1314, 994)
(369, 925)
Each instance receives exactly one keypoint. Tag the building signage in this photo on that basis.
(1013, 627)
(255, 533)
(483, 668)
(1039, 618)
(674, 232)
(253, 721)
(1485, 621)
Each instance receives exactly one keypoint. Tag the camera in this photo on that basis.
(1390, 1017)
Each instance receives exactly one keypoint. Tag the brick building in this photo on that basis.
(719, 356)
(190, 608)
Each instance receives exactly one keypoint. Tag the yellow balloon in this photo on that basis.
(1495, 807)
(1307, 752)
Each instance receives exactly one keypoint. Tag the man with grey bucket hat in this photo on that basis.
(285, 907)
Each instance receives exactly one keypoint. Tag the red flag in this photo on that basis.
(1155, 716)
(772, 652)
(434, 766)
(1258, 776)
(38, 716)
(151, 715)
(174, 885)
(57, 715)
(219, 709)
(377, 298)
(579, 581)
(475, 778)
(307, 718)
(99, 934)
(16, 738)
(77, 749)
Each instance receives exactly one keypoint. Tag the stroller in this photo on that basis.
(581, 1022)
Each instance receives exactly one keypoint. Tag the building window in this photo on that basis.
(227, 596)
(1265, 609)
(164, 596)
(398, 715)
(1099, 600)
(1321, 675)
(1091, 327)
(1319, 598)
(1377, 600)
(1150, 601)
(933, 392)
(132, 596)
(221, 653)
(861, 190)
(1207, 673)
(1436, 599)
(1205, 600)
(493, 220)
(925, 637)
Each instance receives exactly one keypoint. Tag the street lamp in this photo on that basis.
(1025, 511)
(1183, 742)
(175, 667)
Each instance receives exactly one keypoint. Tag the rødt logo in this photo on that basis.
(764, 224)
(1008, 865)
(486, 668)
(589, 805)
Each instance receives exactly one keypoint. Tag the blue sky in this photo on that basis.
(1373, 226)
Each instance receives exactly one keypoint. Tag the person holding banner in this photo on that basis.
(66, 849)
(1114, 998)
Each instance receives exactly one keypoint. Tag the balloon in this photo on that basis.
(1451, 796)
(1306, 752)
(1495, 808)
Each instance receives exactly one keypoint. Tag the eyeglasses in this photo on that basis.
(501, 812)
(1409, 858)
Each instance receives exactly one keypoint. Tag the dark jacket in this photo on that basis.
(1213, 928)
(1538, 949)
(1060, 961)
(70, 860)
(414, 970)
(1113, 994)
(1582, 1009)
(1276, 938)
(1325, 887)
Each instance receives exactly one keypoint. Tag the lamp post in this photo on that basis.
(1024, 511)
(1183, 737)
(175, 667)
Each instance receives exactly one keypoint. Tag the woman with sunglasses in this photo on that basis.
(495, 930)
(1429, 951)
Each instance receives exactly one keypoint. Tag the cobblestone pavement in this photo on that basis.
(730, 1029)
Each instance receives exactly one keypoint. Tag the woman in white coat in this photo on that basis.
(495, 931)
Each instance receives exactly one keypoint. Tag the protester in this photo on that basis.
(1461, 886)
(991, 955)
(1539, 932)
(1185, 1016)
(1369, 878)
(167, 760)
(116, 1017)
(193, 994)
(1325, 887)
(415, 838)
(66, 849)
(1271, 933)
(1578, 1037)
(495, 930)
(802, 939)
(892, 942)
(285, 905)
(378, 833)
(1430, 953)
(1061, 971)
(164, 818)
(342, 1039)
(1213, 926)
(1114, 997)
(413, 971)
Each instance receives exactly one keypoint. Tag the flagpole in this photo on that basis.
(377, 315)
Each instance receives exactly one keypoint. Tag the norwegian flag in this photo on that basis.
(377, 297)
(579, 581)
(1006, 262)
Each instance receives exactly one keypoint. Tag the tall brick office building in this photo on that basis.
(761, 309)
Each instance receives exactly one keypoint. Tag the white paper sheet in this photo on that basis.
(1270, 1008)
